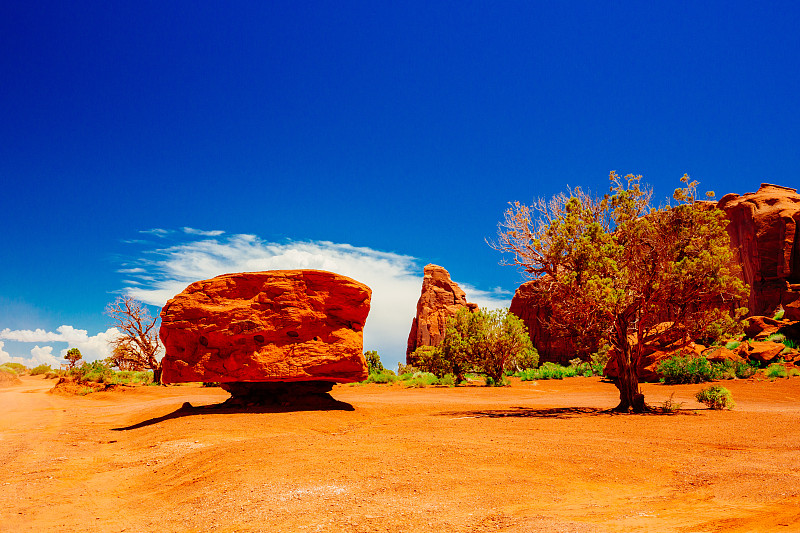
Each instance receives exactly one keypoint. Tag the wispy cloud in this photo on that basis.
(211, 233)
(395, 279)
(158, 232)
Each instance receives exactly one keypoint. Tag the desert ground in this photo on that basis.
(535, 456)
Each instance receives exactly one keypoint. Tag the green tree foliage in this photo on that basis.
(374, 365)
(489, 342)
(72, 357)
(616, 268)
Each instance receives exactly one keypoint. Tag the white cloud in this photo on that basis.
(211, 233)
(42, 356)
(395, 279)
(91, 347)
(39, 356)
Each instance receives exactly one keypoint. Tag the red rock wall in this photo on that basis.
(765, 229)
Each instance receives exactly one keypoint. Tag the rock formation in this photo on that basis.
(765, 229)
(441, 299)
(267, 327)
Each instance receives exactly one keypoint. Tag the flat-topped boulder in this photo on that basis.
(267, 327)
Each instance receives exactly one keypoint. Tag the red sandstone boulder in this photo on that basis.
(276, 326)
(761, 327)
(720, 354)
(441, 299)
(763, 352)
(765, 229)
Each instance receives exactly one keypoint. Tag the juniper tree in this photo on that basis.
(629, 272)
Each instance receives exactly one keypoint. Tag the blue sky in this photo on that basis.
(143, 145)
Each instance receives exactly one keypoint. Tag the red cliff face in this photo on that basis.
(765, 229)
(441, 299)
(276, 326)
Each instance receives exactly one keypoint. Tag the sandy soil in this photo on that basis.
(531, 457)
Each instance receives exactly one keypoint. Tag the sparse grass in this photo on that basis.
(716, 397)
(732, 345)
(670, 405)
(421, 379)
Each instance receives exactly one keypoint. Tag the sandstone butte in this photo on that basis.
(276, 327)
(765, 230)
(441, 298)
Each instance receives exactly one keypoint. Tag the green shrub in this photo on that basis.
(96, 371)
(778, 314)
(732, 345)
(387, 376)
(716, 397)
(723, 370)
(776, 337)
(548, 371)
(17, 368)
(41, 369)
(599, 360)
(744, 370)
(405, 369)
(685, 369)
(421, 379)
(776, 370)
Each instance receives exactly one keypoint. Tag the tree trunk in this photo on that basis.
(157, 374)
(630, 396)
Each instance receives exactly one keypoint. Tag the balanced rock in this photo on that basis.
(441, 299)
(765, 229)
(275, 326)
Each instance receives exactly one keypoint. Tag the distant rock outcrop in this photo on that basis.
(533, 310)
(441, 299)
(765, 229)
(267, 327)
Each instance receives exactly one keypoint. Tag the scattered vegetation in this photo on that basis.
(778, 314)
(716, 397)
(682, 369)
(732, 345)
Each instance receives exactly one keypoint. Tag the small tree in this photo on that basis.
(489, 342)
(73, 356)
(613, 266)
(502, 344)
(374, 365)
(138, 347)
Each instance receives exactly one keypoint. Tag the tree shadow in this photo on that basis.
(560, 412)
(228, 407)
